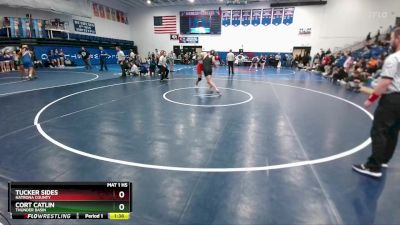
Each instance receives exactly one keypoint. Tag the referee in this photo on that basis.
(230, 58)
(386, 124)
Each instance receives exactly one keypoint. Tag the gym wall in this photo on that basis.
(334, 25)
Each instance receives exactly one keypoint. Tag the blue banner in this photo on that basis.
(246, 17)
(256, 17)
(26, 27)
(23, 27)
(288, 16)
(226, 17)
(35, 24)
(71, 53)
(266, 17)
(236, 15)
(38, 27)
(277, 16)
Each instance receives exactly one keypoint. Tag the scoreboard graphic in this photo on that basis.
(70, 200)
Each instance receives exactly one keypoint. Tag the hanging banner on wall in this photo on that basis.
(109, 13)
(85, 27)
(101, 11)
(38, 28)
(96, 9)
(189, 40)
(246, 17)
(288, 16)
(14, 26)
(113, 15)
(24, 30)
(236, 15)
(256, 17)
(226, 17)
(266, 17)
(277, 16)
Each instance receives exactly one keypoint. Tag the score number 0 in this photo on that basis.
(121, 195)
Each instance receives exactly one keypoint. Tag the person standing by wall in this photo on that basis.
(103, 59)
(386, 124)
(230, 58)
(132, 55)
(85, 54)
(153, 65)
(121, 60)
(62, 58)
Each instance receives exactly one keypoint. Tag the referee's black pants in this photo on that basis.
(230, 67)
(164, 72)
(385, 130)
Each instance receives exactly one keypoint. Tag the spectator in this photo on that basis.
(339, 75)
(348, 63)
(131, 55)
(171, 60)
(316, 61)
(57, 58)
(378, 34)
(277, 60)
(50, 57)
(7, 61)
(121, 60)
(134, 69)
(62, 58)
(306, 60)
(263, 60)
(2, 62)
(372, 65)
(153, 65)
(328, 52)
(368, 37)
(289, 60)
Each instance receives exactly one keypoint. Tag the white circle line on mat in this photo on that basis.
(55, 86)
(204, 170)
(208, 106)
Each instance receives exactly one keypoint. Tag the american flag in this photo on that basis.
(165, 24)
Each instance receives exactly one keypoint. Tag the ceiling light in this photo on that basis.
(148, 2)
(191, 1)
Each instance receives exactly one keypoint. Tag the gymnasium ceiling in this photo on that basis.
(164, 3)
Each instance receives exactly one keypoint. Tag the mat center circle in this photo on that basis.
(205, 97)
